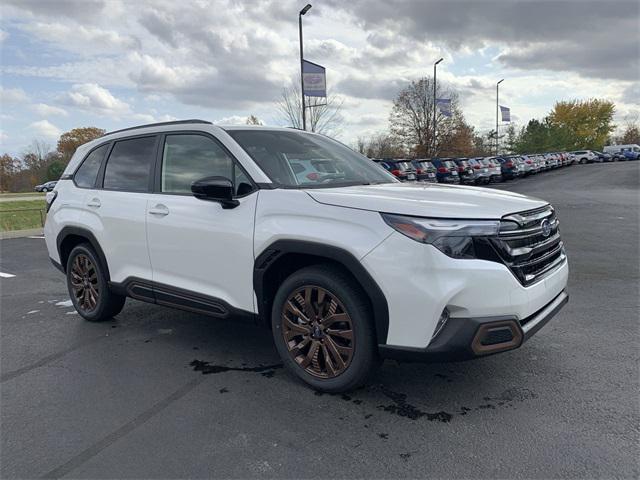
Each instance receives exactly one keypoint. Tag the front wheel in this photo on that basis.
(88, 286)
(322, 328)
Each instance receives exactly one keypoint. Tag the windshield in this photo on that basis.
(298, 159)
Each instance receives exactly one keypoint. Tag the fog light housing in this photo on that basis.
(444, 317)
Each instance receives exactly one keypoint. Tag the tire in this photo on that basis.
(44, 190)
(583, 161)
(359, 354)
(96, 303)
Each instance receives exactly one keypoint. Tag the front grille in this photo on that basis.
(529, 244)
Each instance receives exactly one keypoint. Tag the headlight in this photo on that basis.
(455, 238)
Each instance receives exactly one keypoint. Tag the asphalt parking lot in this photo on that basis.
(125, 399)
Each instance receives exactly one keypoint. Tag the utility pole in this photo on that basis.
(497, 111)
(435, 116)
(304, 113)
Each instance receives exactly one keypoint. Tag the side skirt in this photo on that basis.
(168, 296)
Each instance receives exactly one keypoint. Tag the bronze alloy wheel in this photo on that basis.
(318, 331)
(84, 282)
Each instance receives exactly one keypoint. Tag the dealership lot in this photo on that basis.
(129, 398)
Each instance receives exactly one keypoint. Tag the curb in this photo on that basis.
(21, 233)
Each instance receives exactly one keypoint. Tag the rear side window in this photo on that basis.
(86, 175)
(187, 158)
(129, 165)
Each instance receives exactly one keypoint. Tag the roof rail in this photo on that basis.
(160, 124)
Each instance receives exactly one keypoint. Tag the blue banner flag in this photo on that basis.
(314, 80)
(506, 114)
(444, 105)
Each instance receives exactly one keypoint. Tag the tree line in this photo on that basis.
(571, 125)
(40, 163)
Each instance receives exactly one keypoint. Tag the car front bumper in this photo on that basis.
(420, 282)
(469, 338)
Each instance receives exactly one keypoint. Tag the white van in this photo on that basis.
(619, 148)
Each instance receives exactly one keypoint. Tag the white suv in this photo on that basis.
(585, 156)
(345, 264)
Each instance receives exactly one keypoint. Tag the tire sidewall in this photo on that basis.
(362, 361)
(103, 299)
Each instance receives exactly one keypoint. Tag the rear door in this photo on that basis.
(115, 209)
(200, 253)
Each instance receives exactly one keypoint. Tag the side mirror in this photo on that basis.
(215, 189)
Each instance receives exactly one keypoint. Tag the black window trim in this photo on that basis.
(157, 180)
(103, 167)
(95, 182)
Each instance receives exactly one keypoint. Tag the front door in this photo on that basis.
(196, 246)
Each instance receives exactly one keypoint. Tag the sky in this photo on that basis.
(118, 63)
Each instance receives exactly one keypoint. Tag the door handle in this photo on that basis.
(94, 202)
(159, 210)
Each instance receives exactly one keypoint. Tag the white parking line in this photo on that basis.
(6, 275)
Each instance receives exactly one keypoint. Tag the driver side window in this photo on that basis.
(187, 158)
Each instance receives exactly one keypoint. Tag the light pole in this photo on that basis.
(497, 109)
(434, 104)
(304, 114)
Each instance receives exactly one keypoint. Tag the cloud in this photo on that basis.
(94, 98)
(12, 96)
(44, 129)
(3, 35)
(77, 9)
(45, 110)
(238, 86)
(84, 40)
(597, 39)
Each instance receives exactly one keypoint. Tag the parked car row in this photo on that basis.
(484, 170)
(473, 171)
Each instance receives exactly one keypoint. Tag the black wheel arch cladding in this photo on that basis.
(289, 255)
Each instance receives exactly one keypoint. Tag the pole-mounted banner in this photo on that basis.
(506, 113)
(444, 105)
(314, 80)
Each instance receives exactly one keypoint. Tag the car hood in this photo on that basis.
(428, 200)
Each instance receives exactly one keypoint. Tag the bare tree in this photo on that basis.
(321, 117)
(384, 145)
(411, 118)
(253, 120)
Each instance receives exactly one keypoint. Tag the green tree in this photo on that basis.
(72, 139)
(511, 138)
(582, 123)
(54, 170)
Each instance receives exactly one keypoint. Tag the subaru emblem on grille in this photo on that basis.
(546, 228)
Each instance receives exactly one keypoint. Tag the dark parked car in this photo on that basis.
(508, 167)
(604, 157)
(425, 170)
(401, 168)
(446, 170)
(45, 187)
(465, 171)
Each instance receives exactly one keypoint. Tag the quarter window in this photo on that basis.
(187, 158)
(86, 175)
(129, 165)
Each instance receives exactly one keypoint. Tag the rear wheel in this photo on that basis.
(88, 286)
(44, 190)
(322, 329)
